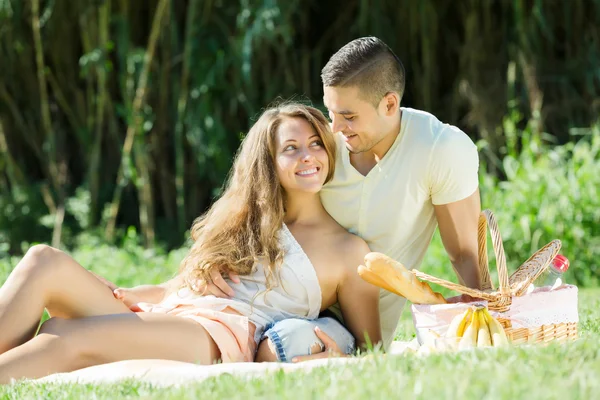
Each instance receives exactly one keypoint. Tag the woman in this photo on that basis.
(269, 227)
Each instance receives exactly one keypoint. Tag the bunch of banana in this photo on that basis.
(476, 328)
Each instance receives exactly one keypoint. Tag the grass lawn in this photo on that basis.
(553, 372)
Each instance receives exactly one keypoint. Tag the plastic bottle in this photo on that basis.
(552, 277)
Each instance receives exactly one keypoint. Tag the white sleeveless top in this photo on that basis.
(297, 296)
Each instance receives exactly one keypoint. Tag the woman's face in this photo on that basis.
(301, 161)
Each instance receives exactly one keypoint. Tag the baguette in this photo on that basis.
(387, 273)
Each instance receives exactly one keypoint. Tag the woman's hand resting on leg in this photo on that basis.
(216, 286)
(138, 294)
(153, 294)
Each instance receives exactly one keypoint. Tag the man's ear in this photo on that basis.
(391, 103)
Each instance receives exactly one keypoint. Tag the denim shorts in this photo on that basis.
(295, 336)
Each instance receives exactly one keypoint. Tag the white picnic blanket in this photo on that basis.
(170, 373)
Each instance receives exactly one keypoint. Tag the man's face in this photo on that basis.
(359, 121)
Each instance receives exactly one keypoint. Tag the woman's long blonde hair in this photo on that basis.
(242, 227)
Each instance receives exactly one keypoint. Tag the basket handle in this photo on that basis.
(487, 219)
(486, 279)
(502, 297)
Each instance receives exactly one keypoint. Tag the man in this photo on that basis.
(400, 172)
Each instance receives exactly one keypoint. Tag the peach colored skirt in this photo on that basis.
(232, 332)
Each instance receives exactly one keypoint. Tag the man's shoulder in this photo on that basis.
(420, 128)
(430, 131)
(420, 118)
(414, 112)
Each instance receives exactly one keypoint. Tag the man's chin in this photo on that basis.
(353, 150)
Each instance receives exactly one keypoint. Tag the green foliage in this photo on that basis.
(552, 193)
(22, 214)
(217, 64)
(128, 264)
(549, 193)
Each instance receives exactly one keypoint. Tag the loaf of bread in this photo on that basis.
(387, 273)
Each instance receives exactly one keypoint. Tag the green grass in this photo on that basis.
(552, 372)
(556, 371)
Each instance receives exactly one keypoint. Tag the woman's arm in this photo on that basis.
(358, 299)
(142, 293)
(172, 285)
(148, 293)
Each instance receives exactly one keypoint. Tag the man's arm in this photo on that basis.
(458, 224)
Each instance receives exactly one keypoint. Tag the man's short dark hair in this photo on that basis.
(368, 64)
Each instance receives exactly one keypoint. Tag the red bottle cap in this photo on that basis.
(560, 263)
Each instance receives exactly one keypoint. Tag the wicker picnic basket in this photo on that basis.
(513, 288)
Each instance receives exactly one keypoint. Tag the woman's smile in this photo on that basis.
(309, 172)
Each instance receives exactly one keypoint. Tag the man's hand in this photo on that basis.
(217, 285)
(331, 348)
(463, 298)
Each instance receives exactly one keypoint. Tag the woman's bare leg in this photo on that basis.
(48, 278)
(67, 345)
(266, 352)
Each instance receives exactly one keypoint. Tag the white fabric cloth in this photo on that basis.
(541, 307)
(437, 317)
(392, 207)
(544, 307)
(298, 295)
(172, 373)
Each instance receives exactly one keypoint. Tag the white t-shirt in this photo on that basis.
(392, 207)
